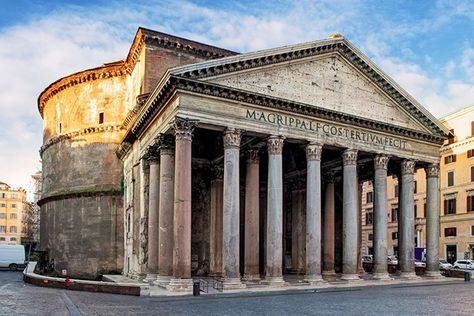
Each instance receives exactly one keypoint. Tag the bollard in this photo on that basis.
(467, 276)
(196, 288)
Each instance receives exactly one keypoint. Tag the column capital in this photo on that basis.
(152, 153)
(183, 128)
(349, 157)
(432, 171)
(253, 155)
(408, 166)
(329, 176)
(232, 138)
(275, 145)
(165, 143)
(217, 172)
(313, 151)
(381, 162)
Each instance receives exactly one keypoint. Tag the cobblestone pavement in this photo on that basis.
(456, 298)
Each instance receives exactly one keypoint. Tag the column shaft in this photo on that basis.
(274, 245)
(380, 217)
(350, 207)
(153, 210)
(329, 228)
(432, 220)
(298, 229)
(313, 214)
(407, 220)
(217, 194)
(231, 237)
(252, 218)
(166, 216)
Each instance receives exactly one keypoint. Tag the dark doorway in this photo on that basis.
(451, 253)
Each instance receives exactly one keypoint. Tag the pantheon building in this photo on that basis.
(187, 160)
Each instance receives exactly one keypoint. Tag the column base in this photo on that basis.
(382, 276)
(251, 277)
(274, 282)
(180, 285)
(409, 276)
(315, 279)
(150, 277)
(329, 275)
(232, 284)
(433, 275)
(162, 280)
(350, 277)
(216, 275)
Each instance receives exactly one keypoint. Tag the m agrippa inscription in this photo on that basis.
(326, 129)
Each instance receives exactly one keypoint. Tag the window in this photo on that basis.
(470, 203)
(424, 210)
(370, 237)
(415, 209)
(13, 195)
(2, 238)
(450, 206)
(13, 216)
(370, 197)
(414, 186)
(60, 127)
(12, 238)
(450, 232)
(3, 228)
(13, 205)
(450, 178)
(472, 173)
(396, 190)
(3, 215)
(369, 217)
(101, 117)
(3, 205)
(394, 214)
(13, 229)
(470, 153)
(472, 230)
(4, 195)
(394, 235)
(449, 159)
(472, 128)
(451, 136)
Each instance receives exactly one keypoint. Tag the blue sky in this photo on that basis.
(426, 46)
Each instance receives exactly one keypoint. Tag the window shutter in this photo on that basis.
(472, 174)
(468, 202)
(472, 128)
(445, 207)
(469, 153)
(454, 158)
(446, 160)
(454, 206)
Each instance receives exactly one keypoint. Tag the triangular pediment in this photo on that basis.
(327, 82)
(329, 74)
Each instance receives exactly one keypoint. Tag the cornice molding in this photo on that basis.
(87, 130)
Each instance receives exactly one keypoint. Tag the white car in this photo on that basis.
(444, 265)
(392, 260)
(420, 264)
(464, 264)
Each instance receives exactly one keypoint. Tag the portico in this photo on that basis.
(269, 150)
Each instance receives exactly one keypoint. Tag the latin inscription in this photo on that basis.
(326, 129)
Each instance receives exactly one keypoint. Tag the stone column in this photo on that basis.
(432, 220)
(165, 250)
(230, 218)
(298, 226)
(313, 214)
(350, 207)
(252, 218)
(181, 280)
(144, 193)
(329, 228)
(153, 209)
(274, 246)
(406, 234)
(380, 218)
(215, 229)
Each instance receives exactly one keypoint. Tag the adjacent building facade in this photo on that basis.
(238, 166)
(12, 211)
(456, 209)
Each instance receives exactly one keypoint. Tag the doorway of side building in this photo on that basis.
(451, 253)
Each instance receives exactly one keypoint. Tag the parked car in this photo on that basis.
(367, 258)
(464, 264)
(444, 265)
(12, 256)
(392, 260)
(420, 264)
